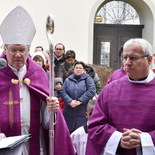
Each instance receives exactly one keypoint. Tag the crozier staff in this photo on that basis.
(49, 32)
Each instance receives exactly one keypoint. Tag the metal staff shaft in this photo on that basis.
(49, 32)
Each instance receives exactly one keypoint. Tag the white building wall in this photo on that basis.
(74, 21)
(71, 22)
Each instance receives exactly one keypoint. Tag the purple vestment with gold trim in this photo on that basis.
(10, 122)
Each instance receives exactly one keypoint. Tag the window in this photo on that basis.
(117, 12)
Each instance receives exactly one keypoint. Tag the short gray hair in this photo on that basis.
(144, 44)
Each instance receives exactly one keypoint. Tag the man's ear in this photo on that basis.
(149, 59)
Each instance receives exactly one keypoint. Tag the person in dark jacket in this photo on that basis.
(59, 56)
(58, 83)
(77, 90)
(67, 68)
(91, 71)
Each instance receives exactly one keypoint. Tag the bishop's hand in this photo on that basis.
(52, 103)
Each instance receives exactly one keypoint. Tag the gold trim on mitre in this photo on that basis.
(14, 81)
(27, 81)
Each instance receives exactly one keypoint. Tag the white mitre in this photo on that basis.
(17, 27)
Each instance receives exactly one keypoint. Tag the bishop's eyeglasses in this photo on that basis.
(21, 50)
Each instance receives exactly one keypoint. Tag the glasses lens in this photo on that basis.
(59, 49)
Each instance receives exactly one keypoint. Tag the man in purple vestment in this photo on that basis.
(122, 122)
(119, 72)
(24, 90)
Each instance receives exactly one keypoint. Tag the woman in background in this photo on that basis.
(77, 90)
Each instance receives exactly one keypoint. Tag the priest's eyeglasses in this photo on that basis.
(133, 58)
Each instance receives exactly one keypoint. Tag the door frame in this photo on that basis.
(116, 35)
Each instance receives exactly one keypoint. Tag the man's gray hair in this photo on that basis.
(144, 44)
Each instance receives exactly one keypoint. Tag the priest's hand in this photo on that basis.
(2, 135)
(130, 139)
(52, 103)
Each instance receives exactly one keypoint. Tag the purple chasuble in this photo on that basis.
(121, 104)
(117, 74)
(62, 140)
(10, 123)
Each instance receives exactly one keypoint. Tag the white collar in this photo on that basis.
(149, 78)
(15, 70)
(58, 58)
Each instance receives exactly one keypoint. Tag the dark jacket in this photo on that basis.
(91, 71)
(57, 63)
(65, 70)
(81, 89)
(58, 92)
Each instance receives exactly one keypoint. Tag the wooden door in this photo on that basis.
(108, 39)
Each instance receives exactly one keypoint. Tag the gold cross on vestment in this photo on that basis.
(10, 103)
